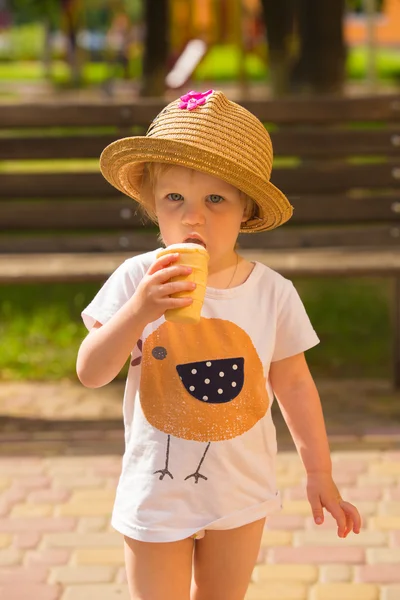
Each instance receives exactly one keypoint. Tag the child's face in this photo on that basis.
(190, 203)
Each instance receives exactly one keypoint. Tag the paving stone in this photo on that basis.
(32, 482)
(383, 555)
(285, 522)
(5, 482)
(83, 509)
(367, 509)
(378, 573)
(344, 591)
(31, 510)
(365, 455)
(25, 524)
(384, 523)
(382, 480)
(317, 555)
(275, 590)
(92, 524)
(320, 538)
(389, 509)
(21, 468)
(297, 492)
(283, 573)
(15, 494)
(394, 538)
(363, 493)
(296, 507)
(5, 540)
(276, 538)
(385, 468)
(82, 496)
(82, 540)
(49, 496)
(349, 465)
(99, 592)
(27, 540)
(121, 576)
(10, 556)
(89, 574)
(23, 591)
(394, 494)
(98, 556)
(284, 480)
(13, 575)
(390, 592)
(74, 482)
(335, 573)
(54, 556)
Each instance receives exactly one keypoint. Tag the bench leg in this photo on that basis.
(396, 333)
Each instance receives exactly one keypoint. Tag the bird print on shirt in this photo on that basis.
(203, 382)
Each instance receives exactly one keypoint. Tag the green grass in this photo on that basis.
(387, 63)
(41, 328)
(221, 63)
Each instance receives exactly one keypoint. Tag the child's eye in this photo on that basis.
(175, 197)
(215, 198)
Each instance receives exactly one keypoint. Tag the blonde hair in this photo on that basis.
(151, 173)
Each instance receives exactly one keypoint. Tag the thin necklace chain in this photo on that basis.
(234, 272)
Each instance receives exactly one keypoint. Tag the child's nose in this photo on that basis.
(193, 215)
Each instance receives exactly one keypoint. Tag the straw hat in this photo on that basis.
(207, 132)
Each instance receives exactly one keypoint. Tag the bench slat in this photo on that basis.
(124, 213)
(95, 267)
(144, 241)
(307, 143)
(322, 144)
(142, 111)
(333, 178)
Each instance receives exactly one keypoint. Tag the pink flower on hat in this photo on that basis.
(193, 99)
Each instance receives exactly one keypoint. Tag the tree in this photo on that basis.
(306, 43)
(156, 47)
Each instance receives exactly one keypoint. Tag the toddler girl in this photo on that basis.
(198, 474)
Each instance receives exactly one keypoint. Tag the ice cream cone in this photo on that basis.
(197, 257)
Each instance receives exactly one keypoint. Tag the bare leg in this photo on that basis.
(159, 571)
(224, 562)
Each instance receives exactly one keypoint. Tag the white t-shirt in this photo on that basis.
(200, 444)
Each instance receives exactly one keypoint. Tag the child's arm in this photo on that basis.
(106, 348)
(299, 400)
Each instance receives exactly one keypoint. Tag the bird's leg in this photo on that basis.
(196, 474)
(165, 471)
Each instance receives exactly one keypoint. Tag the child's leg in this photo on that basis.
(159, 571)
(224, 561)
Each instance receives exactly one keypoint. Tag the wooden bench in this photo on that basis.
(338, 160)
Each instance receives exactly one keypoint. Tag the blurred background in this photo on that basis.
(124, 51)
(149, 47)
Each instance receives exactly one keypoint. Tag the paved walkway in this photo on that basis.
(58, 479)
(56, 542)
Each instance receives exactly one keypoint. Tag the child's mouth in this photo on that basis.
(195, 241)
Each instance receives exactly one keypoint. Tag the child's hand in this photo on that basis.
(152, 296)
(323, 493)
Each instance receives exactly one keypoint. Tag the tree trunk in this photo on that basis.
(321, 64)
(278, 18)
(71, 17)
(156, 47)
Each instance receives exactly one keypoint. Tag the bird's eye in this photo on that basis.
(215, 198)
(175, 197)
(159, 352)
